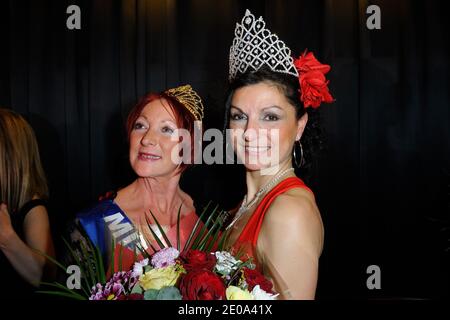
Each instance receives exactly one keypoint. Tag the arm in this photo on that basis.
(290, 243)
(28, 263)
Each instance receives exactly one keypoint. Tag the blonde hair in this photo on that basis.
(21, 173)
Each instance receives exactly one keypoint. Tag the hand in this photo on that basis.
(6, 229)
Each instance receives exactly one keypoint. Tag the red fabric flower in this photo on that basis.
(254, 278)
(108, 196)
(313, 84)
(195, 259)
(202, 285)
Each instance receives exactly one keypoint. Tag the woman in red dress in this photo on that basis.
(278, 223)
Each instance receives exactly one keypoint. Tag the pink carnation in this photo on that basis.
(164, 258)
(119, 284)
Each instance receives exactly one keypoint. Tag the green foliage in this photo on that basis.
(204, 237)
(165, 293)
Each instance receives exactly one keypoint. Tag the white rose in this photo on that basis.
(260, 294)
(226, 263)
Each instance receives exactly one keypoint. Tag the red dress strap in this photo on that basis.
(249, 234)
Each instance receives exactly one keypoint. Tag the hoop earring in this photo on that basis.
(298, 163)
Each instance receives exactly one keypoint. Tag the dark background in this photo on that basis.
(382, 183)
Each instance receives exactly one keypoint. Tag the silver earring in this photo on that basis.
(298, 163)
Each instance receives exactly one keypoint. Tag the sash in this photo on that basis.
(105, 223)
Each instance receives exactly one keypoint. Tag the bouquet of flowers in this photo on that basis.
(202, 270)
(191, 275)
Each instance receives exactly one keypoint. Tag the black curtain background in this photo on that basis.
(382, 183)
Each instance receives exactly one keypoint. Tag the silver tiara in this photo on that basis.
(254, 46)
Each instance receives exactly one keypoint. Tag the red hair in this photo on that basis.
(184, 119)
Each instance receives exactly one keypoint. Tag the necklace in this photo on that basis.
(268, 186)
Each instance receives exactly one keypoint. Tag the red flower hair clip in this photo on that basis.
(313, 84)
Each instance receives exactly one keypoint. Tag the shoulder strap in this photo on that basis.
(253, 227)
(27, 207)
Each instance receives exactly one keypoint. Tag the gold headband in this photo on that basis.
(189, 99)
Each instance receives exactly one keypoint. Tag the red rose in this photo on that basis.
(313, 84)
(254, 278)
(202, 285)
(195, 259)
(131, 296)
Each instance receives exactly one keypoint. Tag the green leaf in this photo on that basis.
(210, 225)
(137, 289)
(214, 238)
(194, 230)
(158, 241)
(144, 252)
(88, 256)
(101, 277)
(61, 294)
(223, 240)
(151, 294)
(217, 225)
(113, 258)
(178, 229)
(204, 229)
(151, 246)
(120, 257)
(163, 233)
(206, 238)
(165, 293)
(101, 266)
(53, 260)
(239, 253)
(80, 264)
(147, 268)
(237, 272)
(169, 293)
(63, 289)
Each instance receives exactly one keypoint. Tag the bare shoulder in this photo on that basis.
(124, 199)
(36, 221)
(124, 192)
(296, 205)
(294, 215)
(36, 228)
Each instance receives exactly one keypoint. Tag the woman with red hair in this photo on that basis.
(156, 156)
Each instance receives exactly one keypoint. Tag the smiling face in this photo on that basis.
(152, 141)
(264, 125)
